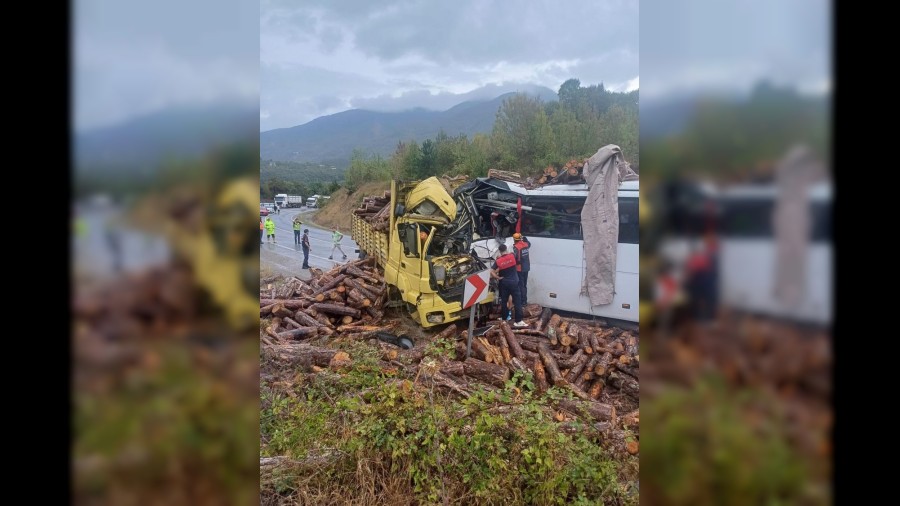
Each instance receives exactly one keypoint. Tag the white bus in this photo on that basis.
(551, 221)
(747, 267)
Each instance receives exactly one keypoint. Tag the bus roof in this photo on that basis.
(818, 191)
(556, 190)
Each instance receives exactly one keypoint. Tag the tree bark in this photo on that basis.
(540, 375)
(337, 309)
(550, 365)
(596, 410)
(577, 368)
(512, 343)
(491, 374)
(299, 332)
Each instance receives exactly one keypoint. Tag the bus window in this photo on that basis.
(747, 218)
(628, 221)
(821, 216)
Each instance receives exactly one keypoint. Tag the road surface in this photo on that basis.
(287, 258)
(108, 240)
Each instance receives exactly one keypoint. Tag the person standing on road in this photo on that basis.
(270, 230)
(504, 270)
(262, 230)
(523, 264)
(304, 242)
(336, 240)
(297, 224)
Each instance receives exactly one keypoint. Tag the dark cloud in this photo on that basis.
(133, 57)
(403, 54)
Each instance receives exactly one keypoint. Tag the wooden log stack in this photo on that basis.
(345, 299)
(597, 364)
(376, 210)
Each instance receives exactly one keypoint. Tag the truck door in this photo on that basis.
(410, 270)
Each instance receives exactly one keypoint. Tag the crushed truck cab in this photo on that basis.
(425, 251)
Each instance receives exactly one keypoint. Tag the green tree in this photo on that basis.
(522, 134)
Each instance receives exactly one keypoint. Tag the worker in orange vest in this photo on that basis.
(262, 230)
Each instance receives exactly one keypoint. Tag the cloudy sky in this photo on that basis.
(320, 57)
(133, 57)
(697, 45)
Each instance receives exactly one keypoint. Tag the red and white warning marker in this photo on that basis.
(476, 288)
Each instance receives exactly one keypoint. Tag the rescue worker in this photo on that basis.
(297, 224)
(504, 270)
(270, 230)
(304, 242)
(698, 273)
(336, 237)
(523, 263)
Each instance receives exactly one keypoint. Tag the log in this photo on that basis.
(291, 322)
(454, 368)
(324, 321)
(529, 332)
(266, 310)
(305, 353)
(347, 320)
(447, 332)
(602, 367)
(288, 303)
(626, 384)
(511, 341)
(596, 388)
(281, 311)
(330, 284)
(516, 364)
(299, 332)
(595, 342)
(306, 319)
(588, 372)
(540, 375)
(550, 365)
(631, 371)
(581, 394)
(545, 318)
(337, 309)
(356, 285)
(577, 368)
(485, 372)
(553, 329)
(596, 410)
(503, 345)
(358, 273)
(358, 299)
(569, 362)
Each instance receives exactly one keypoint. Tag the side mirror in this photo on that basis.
(399, 210)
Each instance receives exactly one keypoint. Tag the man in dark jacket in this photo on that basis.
(304, 243)
(504, 270)
(523, 263)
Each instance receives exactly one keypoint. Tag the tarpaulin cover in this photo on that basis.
(604, 172)
(792, 222)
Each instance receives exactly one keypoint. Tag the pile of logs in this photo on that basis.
(376, 211)
(346, 299)
(570, 173)
(578, 355)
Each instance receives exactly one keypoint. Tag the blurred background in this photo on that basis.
(736, 265)
(165, 266)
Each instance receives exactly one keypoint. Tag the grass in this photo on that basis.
(713, 445)
(386, 440)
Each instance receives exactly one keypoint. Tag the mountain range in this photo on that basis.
(142, 143)
(333, 138)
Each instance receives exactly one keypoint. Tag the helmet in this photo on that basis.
(517, 236)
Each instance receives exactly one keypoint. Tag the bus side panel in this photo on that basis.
(557, 268)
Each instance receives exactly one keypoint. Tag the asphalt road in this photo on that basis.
(286, 257)
(108, 242)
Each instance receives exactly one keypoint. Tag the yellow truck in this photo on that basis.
(425, 251)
